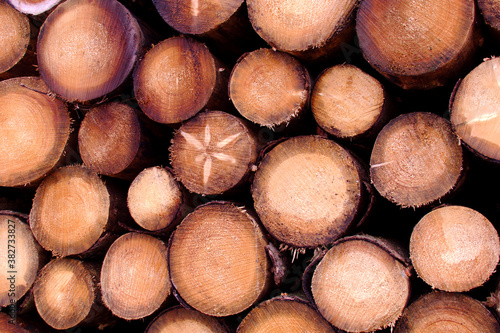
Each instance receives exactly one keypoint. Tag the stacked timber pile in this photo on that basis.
(249, 166)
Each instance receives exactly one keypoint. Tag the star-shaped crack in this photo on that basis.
(207, 154)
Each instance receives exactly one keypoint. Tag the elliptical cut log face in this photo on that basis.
(475, 110)
(217, 260)
(418, 44)
(87, 48)
(177, 78)
(213, 152)
(454, 248)
(440, 311)
(308, 191)
(134, 276)
(14, 36)
(416, 160)
(35, 129)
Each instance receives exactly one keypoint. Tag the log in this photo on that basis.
(33, 7)
(134, 276)
(178, 319)
(217, 260)
(22, 258)
(361, 284)
(35, 130)
(213, 152)
(474, 110)
(71, 210)
(67, 294)
(86, 48)
(349, 104)
(418, 44)
(446, 312)
(269, 88)
(155, 199)
(177, 78)
(196, 17)
(416, 160)
(308, 191)
(284, 314)
(309, 30)
(489, 11)
(112, 141)
(454, 248)
(14, 39)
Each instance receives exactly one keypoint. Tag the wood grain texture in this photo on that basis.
(475, 115)
(418, 44)
(87, 48)
(35, 131)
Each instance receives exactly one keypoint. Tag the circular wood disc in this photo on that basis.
(181, 320)
(297, 25)
(307, 191)
(35, 129)
(64, 293)
(416, 43)
(198, 16)
(454, 248)
(212, 152)
(269, 88)
(416, 159)
(70, 210)
(284, 314)
(217, 260)
(154, 198)
(175, 80)
(109, 138)
(359, 287)
(134, 276)
(475, 111)
(14, 36)
(87, 48)
(442, 312)
(346, 102)
(19, 255)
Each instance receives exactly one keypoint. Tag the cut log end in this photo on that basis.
(33, 7)
(109, 138)
(134, 276)
(416, 160)
(154, 198)
(181, 320)
(213, 152)
(21, 255)
(443, 312)
(475, 111)
(70, 210)
(87, 48)
(35, 130)
(346, 102)
(14, 36)
(307, 191)
(284, 314)
(64, 293)
(359, 287)
(454, 248)
(489, 10)
(269, 88)
(217, 260)
(195, 16)
(417, 44)
(175, 80)
(297, 25)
